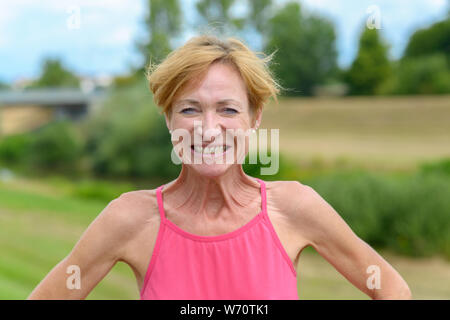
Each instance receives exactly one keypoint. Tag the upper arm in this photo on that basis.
(333, 239)
(101, 245)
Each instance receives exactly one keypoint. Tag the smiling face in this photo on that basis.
(205, 111)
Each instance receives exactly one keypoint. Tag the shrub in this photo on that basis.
(129, 138)
(14, 148)
(420, 75)
(55, 146)
(410, 215)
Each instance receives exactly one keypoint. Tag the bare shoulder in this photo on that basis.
(129, 213)
(292, 197)
(301, 206)
(134, 208)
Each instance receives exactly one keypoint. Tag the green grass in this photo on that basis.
(37, 231)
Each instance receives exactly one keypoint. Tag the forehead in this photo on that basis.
(220, 81)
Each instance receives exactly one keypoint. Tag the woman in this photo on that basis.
(215, 232)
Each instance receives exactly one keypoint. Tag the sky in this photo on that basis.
(97, 37)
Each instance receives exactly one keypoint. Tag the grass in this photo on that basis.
(383, 133)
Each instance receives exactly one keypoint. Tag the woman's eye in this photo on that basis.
(187, 110)
(230, 110)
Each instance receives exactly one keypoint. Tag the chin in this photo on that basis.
(211, 170)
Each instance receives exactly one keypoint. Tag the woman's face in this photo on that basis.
(208, 114)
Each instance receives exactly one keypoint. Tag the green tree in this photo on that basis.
(259, 14)
(55, 74)
(163, 23)
(217, 14)
(305, 49)
(371, 67)
(431, 40)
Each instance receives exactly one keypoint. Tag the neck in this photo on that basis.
(230, 195)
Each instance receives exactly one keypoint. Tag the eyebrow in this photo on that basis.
(197, 103)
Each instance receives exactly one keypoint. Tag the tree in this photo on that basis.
(305, 49)
(217, 14)
(435, 39)
(371, 67)
(55, 74)
(163, 23)
(259, 14)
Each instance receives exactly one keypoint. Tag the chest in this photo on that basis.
(141, 251)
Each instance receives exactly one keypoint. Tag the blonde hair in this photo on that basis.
(193, 59)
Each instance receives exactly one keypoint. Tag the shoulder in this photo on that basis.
(306, 211)
(130, 212)
(299, 203)
(292, 195)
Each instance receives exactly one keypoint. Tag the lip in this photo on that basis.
(213, 155)
(210, 145)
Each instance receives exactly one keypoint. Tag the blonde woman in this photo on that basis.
(215, 232)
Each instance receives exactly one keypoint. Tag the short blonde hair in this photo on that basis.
(193, 59)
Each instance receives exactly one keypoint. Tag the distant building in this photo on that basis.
(22, 111)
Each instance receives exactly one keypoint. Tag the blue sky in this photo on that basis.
(104, 42)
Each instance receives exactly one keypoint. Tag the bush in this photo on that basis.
(409, 215)
(420, 75)
(129, 138)
(105, 191)
(286, 169)
(55, 146)
(14, 148)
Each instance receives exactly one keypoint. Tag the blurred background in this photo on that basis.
(364, 120)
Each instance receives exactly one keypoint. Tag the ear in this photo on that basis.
(257, 119)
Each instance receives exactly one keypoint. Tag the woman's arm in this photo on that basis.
(324, 229)
(99, 248)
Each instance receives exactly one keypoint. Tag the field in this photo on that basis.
(394, 133)
(40, 222)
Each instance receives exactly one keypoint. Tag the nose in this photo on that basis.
(210, 127)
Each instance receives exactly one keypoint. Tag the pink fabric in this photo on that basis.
(248, 263)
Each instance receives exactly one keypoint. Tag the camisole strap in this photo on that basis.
(263, 196)
(160, 203)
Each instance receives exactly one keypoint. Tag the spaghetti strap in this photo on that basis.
(263, 196)
(160, 203)
(186, 266)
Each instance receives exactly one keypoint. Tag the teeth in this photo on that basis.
(209, 150)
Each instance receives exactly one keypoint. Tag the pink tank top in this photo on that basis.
(248, 263)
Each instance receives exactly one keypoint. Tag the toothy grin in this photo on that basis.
(210, 150)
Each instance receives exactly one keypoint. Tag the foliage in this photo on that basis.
(217, 14)
(429, 41)
(14, 148)
(100, 190)
(163, 22)
(55, 146)
(429, 74)
(128, 137)
(55, 74)
(371, 67)
(409, 215)
(305, 49)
